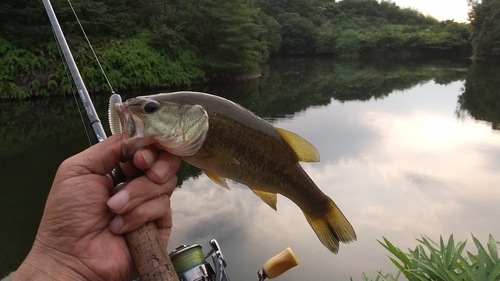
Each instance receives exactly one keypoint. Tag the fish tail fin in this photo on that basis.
(332, 227)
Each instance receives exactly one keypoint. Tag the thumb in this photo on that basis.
(99, 159)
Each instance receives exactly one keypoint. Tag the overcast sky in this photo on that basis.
(440, 9)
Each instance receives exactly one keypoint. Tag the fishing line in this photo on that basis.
(72, 89)
(91, 48)
(187, 258)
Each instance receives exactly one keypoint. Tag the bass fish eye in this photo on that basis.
(151, 106)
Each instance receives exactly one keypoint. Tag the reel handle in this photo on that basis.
(278, 264)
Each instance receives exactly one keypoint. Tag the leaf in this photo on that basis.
(493, 248)
(436, 256)
(447, 252)
(396, 252)
(467, 267)
(494, 273)
(451, 275)
(483, 257)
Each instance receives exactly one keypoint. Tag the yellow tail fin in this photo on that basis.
(332, 228)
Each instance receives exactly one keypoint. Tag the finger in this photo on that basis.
(130, 171)
(143, 159)
(158, 165)
(157, 209)
(165, 166)
(139, 191)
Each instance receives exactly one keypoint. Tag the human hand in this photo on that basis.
(77, 237)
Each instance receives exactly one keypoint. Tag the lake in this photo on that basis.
(407, 150)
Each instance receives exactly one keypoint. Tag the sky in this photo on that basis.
(440, 9)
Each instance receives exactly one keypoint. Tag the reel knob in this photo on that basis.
(278, 264)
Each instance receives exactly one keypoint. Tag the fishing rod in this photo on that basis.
(150, 257)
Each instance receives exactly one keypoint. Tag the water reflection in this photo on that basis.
(395, 158)
(481, 98)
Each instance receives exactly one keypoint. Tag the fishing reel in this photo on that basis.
(191, 265)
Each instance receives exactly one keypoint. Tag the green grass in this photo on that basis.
(444, 261)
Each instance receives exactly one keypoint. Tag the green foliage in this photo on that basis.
(313, 10)
(131, 63)
(22, 73)
(297, 34)
(271, 35)
(128, 63)
(445, 261)
(484, 17)
(349, 42)
(184, 41)
(224, 33)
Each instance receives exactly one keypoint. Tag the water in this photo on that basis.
(406, 150)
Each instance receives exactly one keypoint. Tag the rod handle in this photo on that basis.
(148, 253)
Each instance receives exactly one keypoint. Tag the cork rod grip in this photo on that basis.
(149, 255)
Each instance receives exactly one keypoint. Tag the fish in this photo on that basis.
(227, 141)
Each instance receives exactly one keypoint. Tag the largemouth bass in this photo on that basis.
(225, 140)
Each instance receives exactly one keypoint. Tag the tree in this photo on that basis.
(349, 43)
(484, 18)
(224, 33)
(271, 35)
(297, 33)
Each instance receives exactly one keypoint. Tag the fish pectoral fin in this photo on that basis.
(217, 179)
(270, 198)
(219, 155)
(304, 150)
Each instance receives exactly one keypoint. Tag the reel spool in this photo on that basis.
(190, 264)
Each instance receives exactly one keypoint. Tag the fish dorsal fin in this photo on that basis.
(216, 178)
(304, 150)
(270, 198)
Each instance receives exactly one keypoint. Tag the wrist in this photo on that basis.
(41, 266)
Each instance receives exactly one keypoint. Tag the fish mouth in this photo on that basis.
(132, 131)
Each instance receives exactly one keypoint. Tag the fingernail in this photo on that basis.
(144, 157)
(161, 168)
(116, 224)
(117, 201)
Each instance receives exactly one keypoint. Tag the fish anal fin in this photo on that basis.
(216, 178)
(332, 228)
(304, 150)
(270, 198)
(219, 155)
